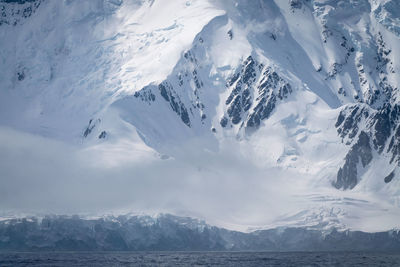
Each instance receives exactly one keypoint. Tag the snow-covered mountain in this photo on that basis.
(303, 91)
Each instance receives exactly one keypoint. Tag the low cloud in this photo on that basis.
(43, 176)
(39, 175)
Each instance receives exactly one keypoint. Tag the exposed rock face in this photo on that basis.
(394, 146)
(387, 14)
(366, 130)
(92, 124)
(168, 93)
(103, 135)
(349, 119)
(389, 177)
(255, 91)
(93, 129)
(13, 12)
(18, 1)
(146, 95)
(360, 152)
(181, 91)
(377, 118)
(295, 4)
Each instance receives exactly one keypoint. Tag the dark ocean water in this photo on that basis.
(199, 259)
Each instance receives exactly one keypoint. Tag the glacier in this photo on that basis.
(165, 232)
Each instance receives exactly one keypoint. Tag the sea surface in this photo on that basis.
(199, 259)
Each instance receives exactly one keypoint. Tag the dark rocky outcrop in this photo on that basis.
(295, 4)
(92, 124)
(382, 128)
(347, 123)
(230, 34)
(389, 177)
(146, 95)
(169, 95)
(394, 146)
(167, 92)
(360, 152)
(17, 1)
(182, 90)
(256, 89)
(103, 135)
(224, 121)
(20, 75)
(367, 130)
(14, 12)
